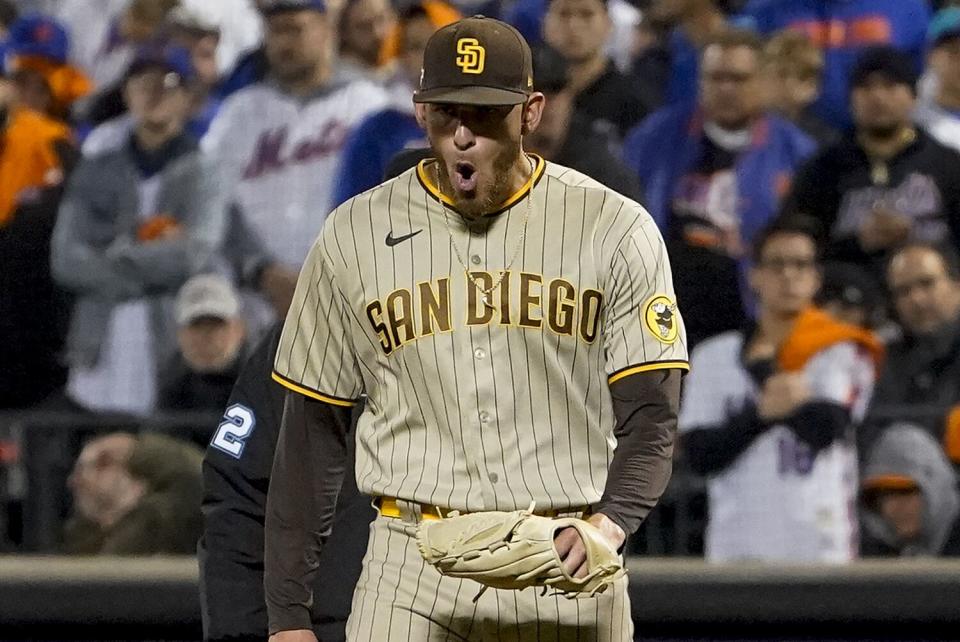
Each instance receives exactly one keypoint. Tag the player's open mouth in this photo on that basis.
(464, 177)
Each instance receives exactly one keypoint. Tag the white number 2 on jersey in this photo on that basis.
(238, 423)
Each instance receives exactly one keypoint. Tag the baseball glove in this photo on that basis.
(515, 550)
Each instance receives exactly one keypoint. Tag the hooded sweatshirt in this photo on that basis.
(908, 451)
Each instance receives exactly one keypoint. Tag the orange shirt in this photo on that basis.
(27, 157)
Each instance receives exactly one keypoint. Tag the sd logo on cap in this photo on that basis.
(476, 61)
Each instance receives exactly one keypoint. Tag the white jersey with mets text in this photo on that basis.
(779, 501)
(279, 156)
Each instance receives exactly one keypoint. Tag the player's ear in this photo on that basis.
(420, 109)
(532, 112)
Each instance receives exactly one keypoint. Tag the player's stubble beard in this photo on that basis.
(491, 192)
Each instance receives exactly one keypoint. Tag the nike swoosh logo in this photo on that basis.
(391, 240)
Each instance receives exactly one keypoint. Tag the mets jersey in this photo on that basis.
(779, 500)
(279, 156)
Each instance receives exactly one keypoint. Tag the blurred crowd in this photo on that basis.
(166, 164)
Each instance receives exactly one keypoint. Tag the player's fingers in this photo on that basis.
(576, 557)
(582, 571)
(565, 540)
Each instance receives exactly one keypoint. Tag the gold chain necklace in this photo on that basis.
(486, 292)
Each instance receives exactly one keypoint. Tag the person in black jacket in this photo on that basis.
(889, 182)
(211, 341)
(566, 137)
(236, 474)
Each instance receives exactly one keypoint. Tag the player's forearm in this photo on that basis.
(646, 407)
(308, 468)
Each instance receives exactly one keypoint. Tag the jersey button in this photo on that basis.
(484, 416)
(494, 478)
(475, 259)
(479, 353)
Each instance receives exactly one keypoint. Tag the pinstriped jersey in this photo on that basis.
(478, 404)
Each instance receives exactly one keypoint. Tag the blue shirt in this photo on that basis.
(371, 146)
(844, 28)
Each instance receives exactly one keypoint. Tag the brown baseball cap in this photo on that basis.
(476, 61)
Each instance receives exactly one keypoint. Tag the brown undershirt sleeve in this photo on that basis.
(646, 406)
(308, 469)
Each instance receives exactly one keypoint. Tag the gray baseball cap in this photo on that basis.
(206, 295)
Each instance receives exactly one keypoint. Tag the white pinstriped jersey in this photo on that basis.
(473, 406)
(778, 501)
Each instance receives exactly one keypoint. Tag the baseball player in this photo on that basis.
(511, 323)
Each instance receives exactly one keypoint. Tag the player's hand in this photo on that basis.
(570, 547)
(278, 283)
(782, 394)
(883, 229)
(299, 635)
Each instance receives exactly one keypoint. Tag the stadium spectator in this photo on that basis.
(768, 412)
(31, 154)
(211, 337)
(528, 18)
(195, 40)
(920, 380)
(378, 138)
(279, 142)
(850, 294)
(37, 55)
(562, 135)
(694, 23)
(135, 495)
(140, 23)
(939, 113)
(650, 64)
(721, 182)
(363, 29)
(910, 504)
(136, 222)
(36, 153)
(793, 66)
(843, 30)
(238, 25)
(888, 182)
(603, 96)
(91, 32)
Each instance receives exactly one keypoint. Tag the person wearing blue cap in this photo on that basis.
(37, 52)
(939, 113)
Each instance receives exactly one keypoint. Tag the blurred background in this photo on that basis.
(166, 164)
